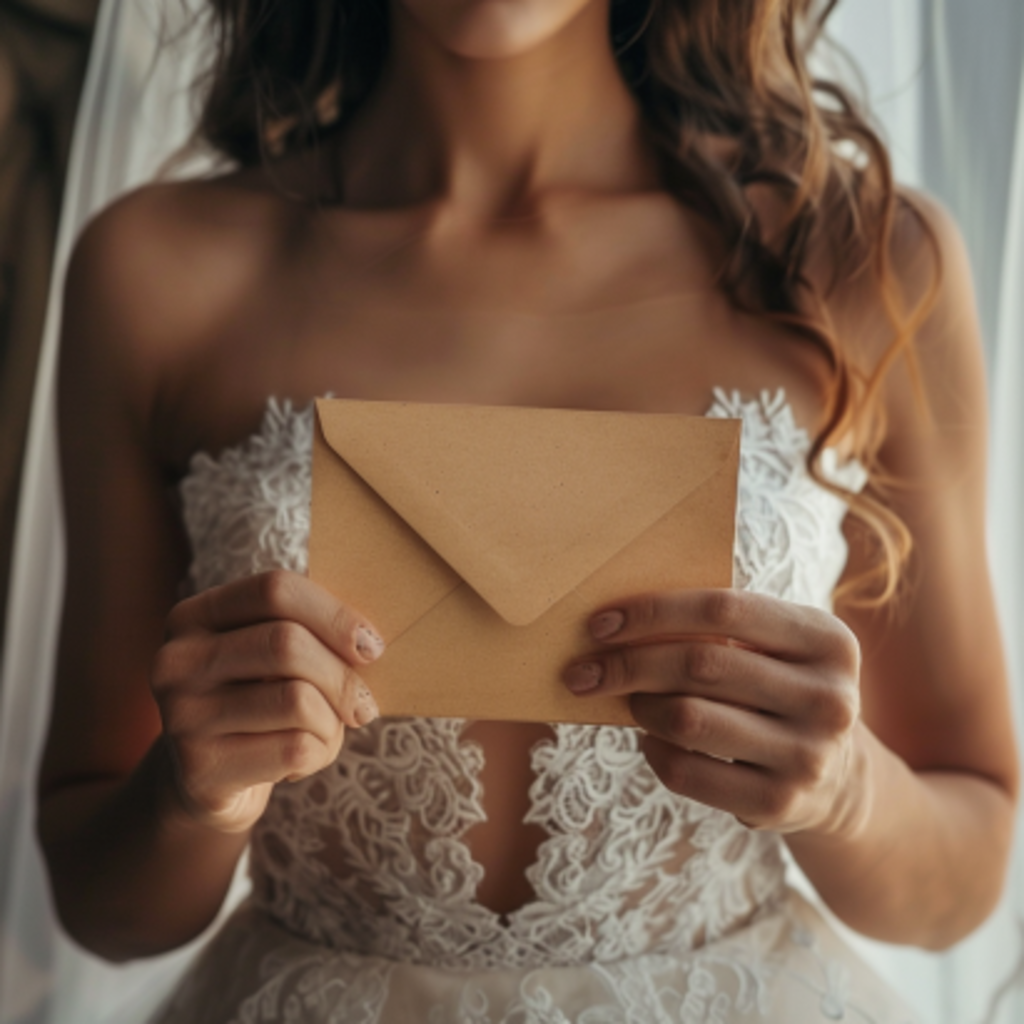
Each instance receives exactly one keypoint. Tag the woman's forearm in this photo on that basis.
(254, 685)
(922, 856)
(132, 874)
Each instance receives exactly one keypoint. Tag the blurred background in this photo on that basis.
(945, 80)
(44, 49)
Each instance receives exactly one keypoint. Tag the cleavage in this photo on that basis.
(503, 845)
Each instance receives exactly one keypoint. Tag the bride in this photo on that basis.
(506, 202)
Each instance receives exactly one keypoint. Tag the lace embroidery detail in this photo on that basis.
(247, 511)
(788, 539)
(295, 992)
(785, 966)
(368, 857)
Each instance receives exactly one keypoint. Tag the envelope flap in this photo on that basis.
(523, 503)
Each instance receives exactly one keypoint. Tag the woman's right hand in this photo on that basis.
(256, 683)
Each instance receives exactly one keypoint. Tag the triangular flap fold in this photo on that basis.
(526, 503)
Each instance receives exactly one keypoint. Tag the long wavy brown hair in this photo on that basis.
(705, 72)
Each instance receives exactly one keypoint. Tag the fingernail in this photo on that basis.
(606, 624)
(365, 708)
(368, 644)
(584, 677)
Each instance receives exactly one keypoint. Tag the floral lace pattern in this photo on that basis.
(368, 856)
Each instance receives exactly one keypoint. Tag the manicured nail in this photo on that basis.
(606, 624)
(584, 677)
(368, 644)
(365, 707)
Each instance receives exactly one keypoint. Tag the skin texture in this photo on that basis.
(500, 237)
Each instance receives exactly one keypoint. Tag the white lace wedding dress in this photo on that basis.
(649, 907)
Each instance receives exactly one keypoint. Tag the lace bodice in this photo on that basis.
(368, 855)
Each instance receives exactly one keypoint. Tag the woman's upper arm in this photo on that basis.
(125, 550)
(934, 680)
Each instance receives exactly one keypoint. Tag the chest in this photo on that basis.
(609, 310)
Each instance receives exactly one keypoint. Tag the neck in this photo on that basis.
(493, 135)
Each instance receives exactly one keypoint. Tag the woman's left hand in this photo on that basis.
(751, 704)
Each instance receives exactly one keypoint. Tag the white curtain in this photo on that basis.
(945, 78)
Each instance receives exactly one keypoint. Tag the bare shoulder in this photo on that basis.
(155, 272)
(929, 254)
(931, 262)
(941, 385)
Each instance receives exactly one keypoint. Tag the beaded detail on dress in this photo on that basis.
(368, 857)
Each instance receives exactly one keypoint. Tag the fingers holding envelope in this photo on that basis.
(751, 703)
(285, 596)
(256, 683)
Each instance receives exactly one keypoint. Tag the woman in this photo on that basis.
(505, 203)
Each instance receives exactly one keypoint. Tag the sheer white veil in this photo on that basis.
(135, 111)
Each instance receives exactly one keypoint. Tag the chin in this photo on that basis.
(493, 29)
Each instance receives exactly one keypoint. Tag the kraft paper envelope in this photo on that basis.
(479, 539)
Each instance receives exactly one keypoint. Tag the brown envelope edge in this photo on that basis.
(433, 667)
